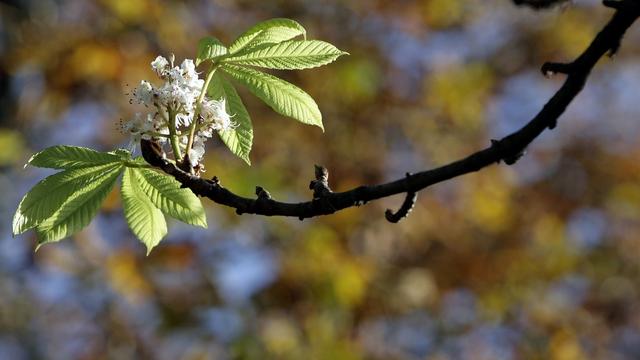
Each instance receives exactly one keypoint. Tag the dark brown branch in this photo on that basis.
(539, 4)
(614, 4)
(508, 149)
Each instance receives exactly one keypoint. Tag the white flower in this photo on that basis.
(189, 69)
(184, 119)
(159, 65)
(214, 112)
(177, 96)
(166, 94)
(206, 132)
(139, 126)
(175, 76)
(195, 85)
(196, 152)
(143, 94)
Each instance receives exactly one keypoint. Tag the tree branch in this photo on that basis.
(508, 149)
(539, 4)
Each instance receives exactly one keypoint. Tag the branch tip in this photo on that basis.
(322, 174)
(407, 205)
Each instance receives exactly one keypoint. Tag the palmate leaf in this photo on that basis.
(239, 139)
(68, 157)
(44, 199)
(288, 55)
(79, 208)
(144, 218)
(167, 195)
(270, 31)
(209, 48)
(283, 97)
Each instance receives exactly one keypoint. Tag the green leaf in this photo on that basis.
(144, 218)
(283, 97)
(123, 154)
(78, 209)
(69, 157)
(165, 193)
(44, 199)
(240, 138)
(209, 48)
(272, 36)
(270, 31)
(288, 55)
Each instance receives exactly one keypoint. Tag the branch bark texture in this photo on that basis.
(508, 149)
(539, 4)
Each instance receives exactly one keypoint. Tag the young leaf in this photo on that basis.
(240, 138)
(283, 97)
(145, 220)
(165, 193)
(288, 55)
(68, 157)
(270, 31)
(78, 209)
(44, 199)
(209, 48)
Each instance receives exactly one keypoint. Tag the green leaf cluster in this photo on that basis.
(64, 203)
(272, 44)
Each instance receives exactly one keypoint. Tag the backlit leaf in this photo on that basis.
(240, 138)
(288, 55)
(79, 208)
(165, 193)
(283, 97)
(44, 199)
(209, 48)
(270, 31)
(144, 218)
(68, 157)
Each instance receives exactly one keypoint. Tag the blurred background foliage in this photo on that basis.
(535, 261)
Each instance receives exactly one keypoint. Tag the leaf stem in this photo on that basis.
(173, 137)
(196, 114)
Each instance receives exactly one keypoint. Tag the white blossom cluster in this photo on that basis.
(176, 101)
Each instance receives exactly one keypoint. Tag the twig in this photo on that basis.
(405, 209)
